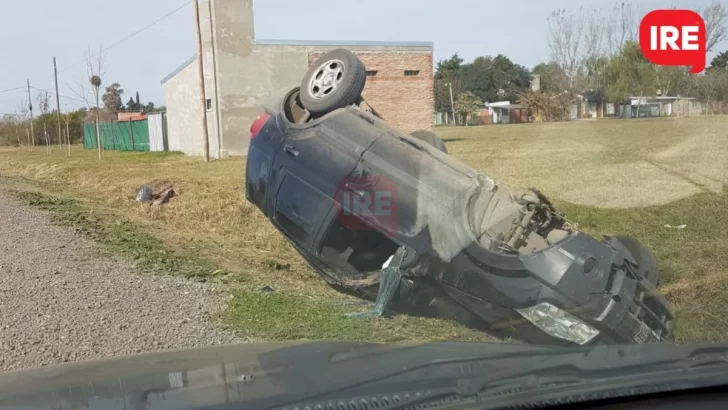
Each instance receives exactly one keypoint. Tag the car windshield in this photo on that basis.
(186, 174)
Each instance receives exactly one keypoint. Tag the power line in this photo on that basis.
(12, 89)
(118, 42)
(131, 35)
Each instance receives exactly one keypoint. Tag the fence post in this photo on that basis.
(131, 133)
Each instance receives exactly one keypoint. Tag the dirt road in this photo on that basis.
(61, 301)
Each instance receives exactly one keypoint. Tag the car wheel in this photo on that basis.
(334, 81)
(644, 257)
(430, 138)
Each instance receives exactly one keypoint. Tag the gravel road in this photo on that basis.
(61, 301)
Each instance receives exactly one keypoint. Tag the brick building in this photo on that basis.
(241, 73)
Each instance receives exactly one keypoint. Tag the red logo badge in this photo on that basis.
(367, 202)
(674, 38)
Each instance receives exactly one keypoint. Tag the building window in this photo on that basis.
(208, 104)
(371, 73)
(411, 73)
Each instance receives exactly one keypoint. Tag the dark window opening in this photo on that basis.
(411, 73)
(371, 73)
(208, 104)
(356, 250)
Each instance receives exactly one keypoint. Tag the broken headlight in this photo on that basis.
(559, 323)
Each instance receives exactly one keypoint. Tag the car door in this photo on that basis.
(311, 163)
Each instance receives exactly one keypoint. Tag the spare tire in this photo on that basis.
(644, 257)
(430, 138)
(334, 81)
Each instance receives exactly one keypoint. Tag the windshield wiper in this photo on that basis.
(549, 374)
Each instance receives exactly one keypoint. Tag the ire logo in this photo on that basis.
(674, 38)
(366, 202)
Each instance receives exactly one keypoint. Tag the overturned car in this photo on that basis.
(393, 218)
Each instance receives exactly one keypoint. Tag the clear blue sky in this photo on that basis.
(33, 31)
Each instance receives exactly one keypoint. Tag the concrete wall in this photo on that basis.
(249, 73)
(182, 99)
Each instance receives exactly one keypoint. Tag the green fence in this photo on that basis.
(120, 136)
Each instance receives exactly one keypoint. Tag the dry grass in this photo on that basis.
(608, 163)
(666, 171)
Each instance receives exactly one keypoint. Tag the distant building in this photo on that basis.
(249, 71)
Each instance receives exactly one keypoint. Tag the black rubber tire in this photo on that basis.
(347, 93)
(645, 258)
(430, 138)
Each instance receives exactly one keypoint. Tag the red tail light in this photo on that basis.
(258, 124)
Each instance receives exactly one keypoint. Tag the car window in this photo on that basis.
(355, 250)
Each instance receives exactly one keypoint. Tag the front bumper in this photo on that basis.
(636, 313)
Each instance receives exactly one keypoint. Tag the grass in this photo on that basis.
(611, 177)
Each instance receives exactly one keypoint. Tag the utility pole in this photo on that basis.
(201, 80)
(213, 45)
(30, 107)
(27, 132)
(452, 104)
(58, 106)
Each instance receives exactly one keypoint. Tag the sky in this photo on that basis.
(34, 31)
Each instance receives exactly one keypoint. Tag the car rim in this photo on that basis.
(327, 78)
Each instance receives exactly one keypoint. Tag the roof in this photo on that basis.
(315, 43)
(178, 69)
(661, 98)
(345, 43)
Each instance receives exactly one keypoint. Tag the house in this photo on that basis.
(660, 106)
(503, 112)
(241, 73)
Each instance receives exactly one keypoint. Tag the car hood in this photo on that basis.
(260, 375)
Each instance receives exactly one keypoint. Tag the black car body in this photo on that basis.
(489, 257)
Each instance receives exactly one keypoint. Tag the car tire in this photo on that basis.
(430, 138)
(334, 81)
(645, 258)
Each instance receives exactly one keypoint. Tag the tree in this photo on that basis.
(131, 106)
(138, 104)
(466, 104)
(43, 99)
(552, 77)
(715, 16)
(112, 98)
(630, 74)
(495, 78)
(149, 107)
(720, 62)
(448, 66)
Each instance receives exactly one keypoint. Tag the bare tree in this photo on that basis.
(21, 114)
(715, 17)
(43, 99)
(621, 26)
(566, 40)
(95, 70)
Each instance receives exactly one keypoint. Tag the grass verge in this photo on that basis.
(275, 315)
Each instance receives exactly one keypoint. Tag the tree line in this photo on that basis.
(591, 50)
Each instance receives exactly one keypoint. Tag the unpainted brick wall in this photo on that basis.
(406, 103)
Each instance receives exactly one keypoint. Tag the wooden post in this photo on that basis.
(30, 106)
(58, 106)
(131, 132)
(68, 135)
(28, 133)
(201, 80)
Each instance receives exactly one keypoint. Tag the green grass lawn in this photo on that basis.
(611, 176)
